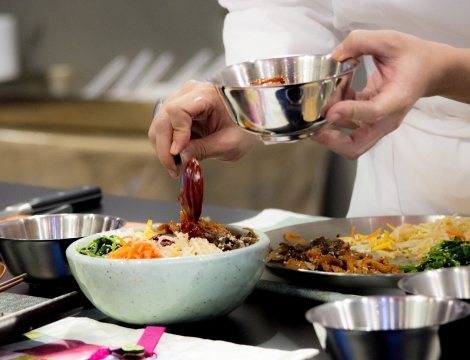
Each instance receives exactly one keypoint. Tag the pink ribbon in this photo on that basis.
(148, 341)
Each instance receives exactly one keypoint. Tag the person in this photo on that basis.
(410, 124)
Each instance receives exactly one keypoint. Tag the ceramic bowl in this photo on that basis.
(283, 112)
(169, 290)
(36, 244)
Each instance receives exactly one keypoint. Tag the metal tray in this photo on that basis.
(22, 313)
(331, 229)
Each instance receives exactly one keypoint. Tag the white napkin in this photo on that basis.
(270, 219)
(170, 347)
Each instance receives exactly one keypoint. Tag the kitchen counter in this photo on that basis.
(77, 116)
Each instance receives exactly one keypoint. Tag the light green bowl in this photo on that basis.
(170, 290)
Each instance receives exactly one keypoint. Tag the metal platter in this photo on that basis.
(331, 229)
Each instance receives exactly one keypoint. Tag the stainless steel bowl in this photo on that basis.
(449, 283)
(385, 327)
(294, 110)
(36, 244)
(453, 283)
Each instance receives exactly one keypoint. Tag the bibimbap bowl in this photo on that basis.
(165, 291)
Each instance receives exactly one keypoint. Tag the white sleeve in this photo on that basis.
(257, 29)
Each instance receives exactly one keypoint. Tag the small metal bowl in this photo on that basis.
(447, 283)
(36, 244)
(385, 327)
(293, 110)
(451, 283)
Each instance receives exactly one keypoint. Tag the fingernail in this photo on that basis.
(334, 118)
(185, 155)
(173, 174)
(173, 149)
(337, 53)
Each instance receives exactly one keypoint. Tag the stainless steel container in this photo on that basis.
(385, 327)
(294, 110)
(452, 283)
(36, 244)
(448, 283)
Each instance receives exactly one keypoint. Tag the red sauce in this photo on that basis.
(191, 228)
(278, 80)
(191, 197)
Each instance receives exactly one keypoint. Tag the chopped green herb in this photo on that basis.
(448, 253)
(101, 246)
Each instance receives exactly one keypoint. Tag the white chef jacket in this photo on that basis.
(421, 168)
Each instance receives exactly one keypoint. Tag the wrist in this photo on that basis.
(450, 73)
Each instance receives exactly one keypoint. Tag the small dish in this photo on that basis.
(287, 111)
(36, 244)
(393, 327)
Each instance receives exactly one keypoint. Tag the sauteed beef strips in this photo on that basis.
(298, 251)
(330, 255)
(227, 242)
(328, 246)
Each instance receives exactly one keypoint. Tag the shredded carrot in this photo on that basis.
(135, 250)
(293, 237)
(455, 233)
(353, 229)
(375, 233)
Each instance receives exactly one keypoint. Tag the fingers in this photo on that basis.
(195, 122)
(229, 144)
(351, 113)
(401, 77)
(364, 42)
(360, 140)
(349, 146)
(170, 130)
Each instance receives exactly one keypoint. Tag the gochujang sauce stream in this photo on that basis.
(190, 198)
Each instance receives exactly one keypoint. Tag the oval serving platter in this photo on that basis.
(332, 229)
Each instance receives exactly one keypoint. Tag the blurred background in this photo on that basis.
(78, 82)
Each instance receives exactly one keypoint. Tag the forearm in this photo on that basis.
(451, 73)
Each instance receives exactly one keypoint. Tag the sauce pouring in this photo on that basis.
(191, 191)
(190, 197)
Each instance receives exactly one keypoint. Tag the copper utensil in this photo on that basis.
(12, 282)
(3, 268)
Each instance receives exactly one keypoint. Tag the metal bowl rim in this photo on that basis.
(210, 78)
(404, 281)
(309, 315)
(122, 221)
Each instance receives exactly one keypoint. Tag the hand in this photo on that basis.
(195, 122)
(405, 71)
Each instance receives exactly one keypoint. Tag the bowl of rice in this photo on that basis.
(157, 274)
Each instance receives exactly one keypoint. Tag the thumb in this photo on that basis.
(228, 144)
